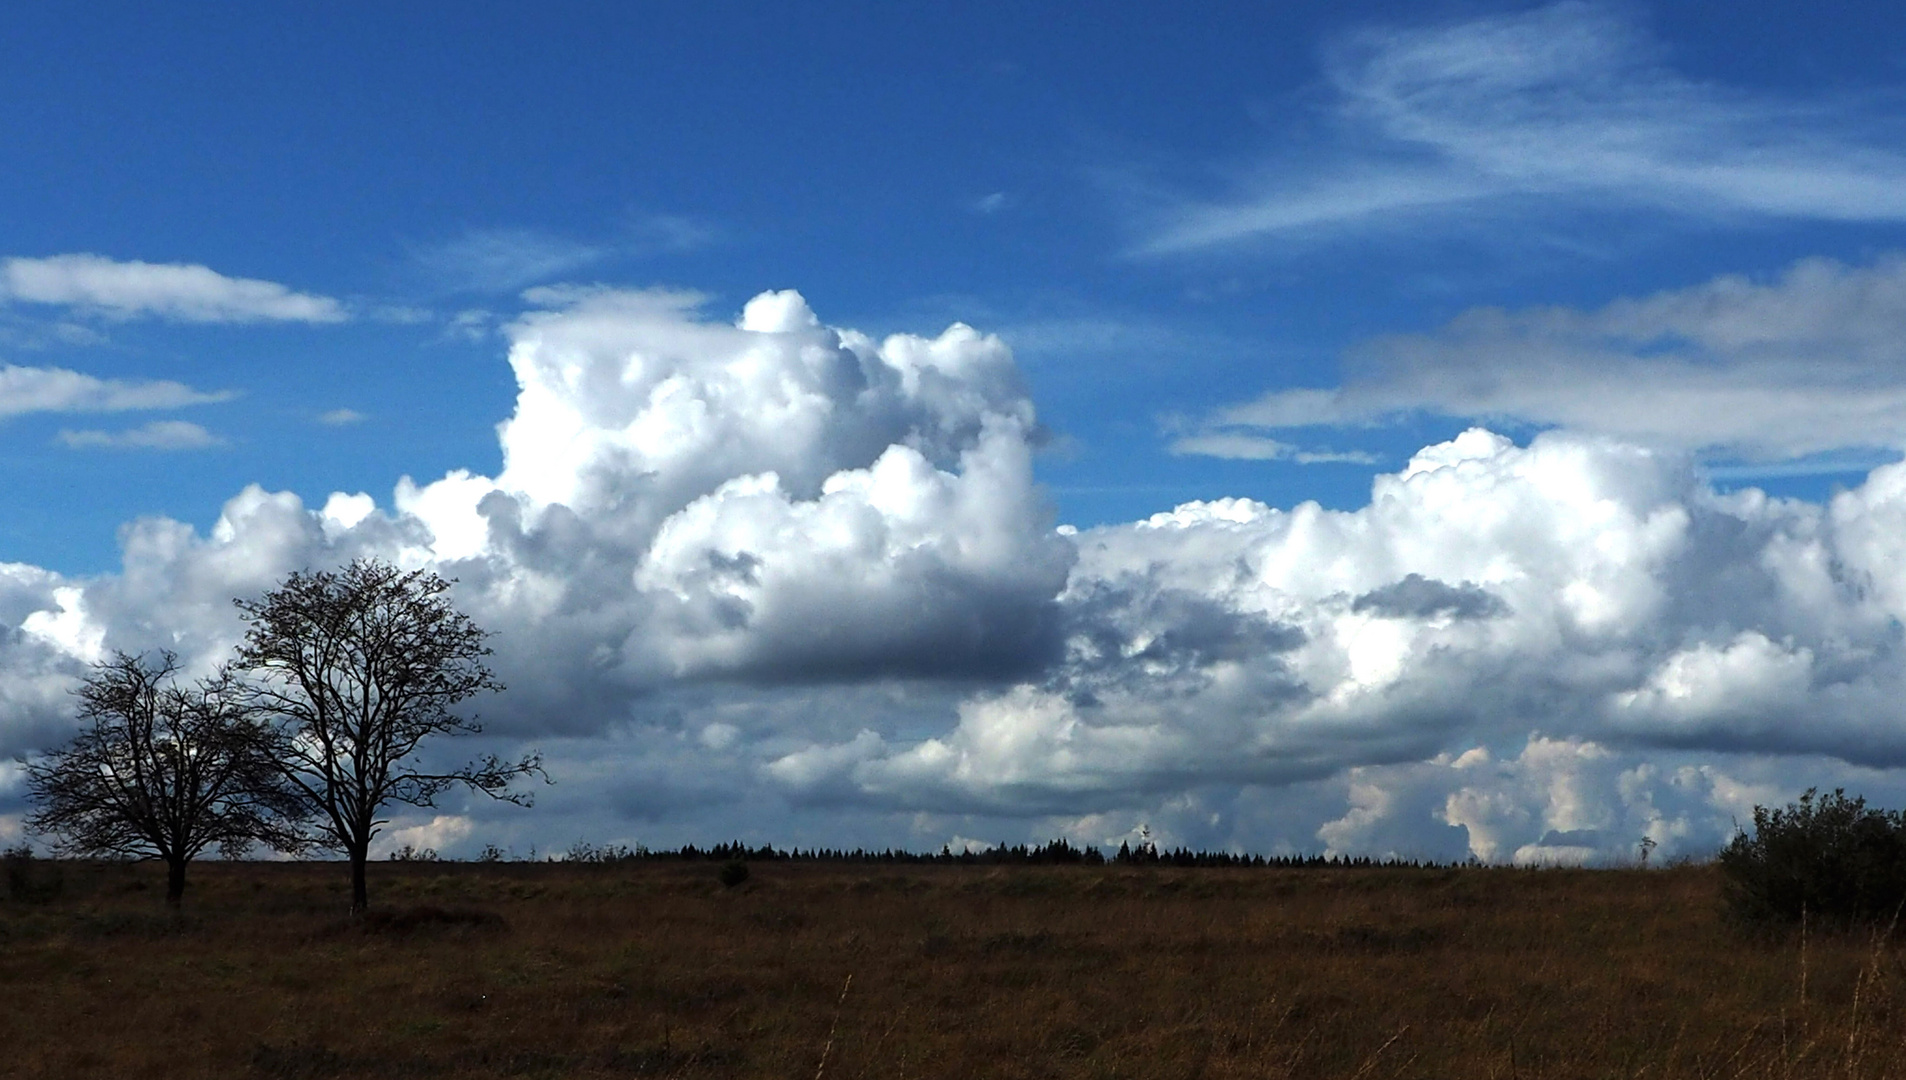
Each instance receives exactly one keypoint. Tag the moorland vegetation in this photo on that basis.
(815, 968)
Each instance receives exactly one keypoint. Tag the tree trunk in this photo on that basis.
(360, 894)
(174, 881)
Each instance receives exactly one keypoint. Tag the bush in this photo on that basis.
(1832, 859)
(733, 873)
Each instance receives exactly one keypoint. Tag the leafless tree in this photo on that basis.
(160, 771)
(356, 668)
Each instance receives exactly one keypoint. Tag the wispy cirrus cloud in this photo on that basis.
(507, 259)
(1567, 107)
(504, 259)
(1801, 370)
(157, 435)
(182, 292)
(988, 205)
(45, 389)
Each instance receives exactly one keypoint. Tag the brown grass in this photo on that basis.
(841, 972)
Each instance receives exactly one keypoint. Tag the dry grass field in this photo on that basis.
(655, 969)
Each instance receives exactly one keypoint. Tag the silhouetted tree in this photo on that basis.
(355, 669)
(161, 771)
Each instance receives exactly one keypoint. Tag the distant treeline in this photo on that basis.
(1052, 853)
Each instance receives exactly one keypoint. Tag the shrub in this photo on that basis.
(1829, 858)
(733, 873)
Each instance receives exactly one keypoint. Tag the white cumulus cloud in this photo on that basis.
(440, 834)
(771, 572)
(769, 501)
(1588, 591)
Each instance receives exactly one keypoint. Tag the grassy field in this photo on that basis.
(655, 969)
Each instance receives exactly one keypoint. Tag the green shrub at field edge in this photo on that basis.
(1830, 859)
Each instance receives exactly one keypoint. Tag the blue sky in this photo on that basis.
(1019, 169)
(1237, 250)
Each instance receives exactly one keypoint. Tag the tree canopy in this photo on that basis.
(161, 770)
(355, 670)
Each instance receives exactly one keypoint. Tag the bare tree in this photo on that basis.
(161, 771)
(356, 669)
